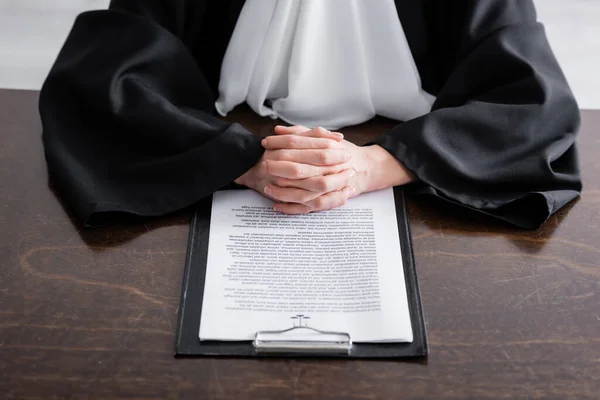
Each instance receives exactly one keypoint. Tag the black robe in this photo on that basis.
(130, 127)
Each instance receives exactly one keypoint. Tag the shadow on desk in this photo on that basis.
(118, 228)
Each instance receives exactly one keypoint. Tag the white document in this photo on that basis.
(340, 270)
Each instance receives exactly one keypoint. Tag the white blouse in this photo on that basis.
(329, 63)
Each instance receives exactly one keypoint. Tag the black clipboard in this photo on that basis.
(189, 345)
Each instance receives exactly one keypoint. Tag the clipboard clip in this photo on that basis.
(302, 339)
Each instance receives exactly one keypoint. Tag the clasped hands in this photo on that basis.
(307, 170)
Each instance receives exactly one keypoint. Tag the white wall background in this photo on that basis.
(32, 32)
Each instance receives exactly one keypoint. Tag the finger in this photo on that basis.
(293, 170)
(312, 157)
(290, 195)
(290, 130)
(303, 131)
(331, 200)
(321, 203)
(319, 184)
(298, 142)
(291, 208)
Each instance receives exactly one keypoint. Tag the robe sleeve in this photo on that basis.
(127, 114)
(500, 138)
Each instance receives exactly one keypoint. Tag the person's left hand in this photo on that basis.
(374, 168)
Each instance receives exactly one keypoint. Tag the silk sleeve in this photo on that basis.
(127, 112)
(500, 138)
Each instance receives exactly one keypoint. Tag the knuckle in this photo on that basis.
(330, 144)
(332, 170)
(297, 171)
(349, 194)
(326, 157)
(349, 179)
(321, 131)
(284, 155)
(292, 140)
(322, 184)
(319, 203)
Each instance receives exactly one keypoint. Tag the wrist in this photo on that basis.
(384, 170)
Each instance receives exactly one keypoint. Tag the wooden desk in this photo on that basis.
(511, 314)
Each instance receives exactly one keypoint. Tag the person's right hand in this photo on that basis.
(318, 165)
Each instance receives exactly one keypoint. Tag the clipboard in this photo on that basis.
(273, 343)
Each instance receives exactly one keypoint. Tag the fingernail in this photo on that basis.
(337, 134)
(352, 191)
(352, 173)
(276, 208)
(264, 143)
(268, 190)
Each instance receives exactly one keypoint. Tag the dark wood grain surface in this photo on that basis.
(92, 313)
